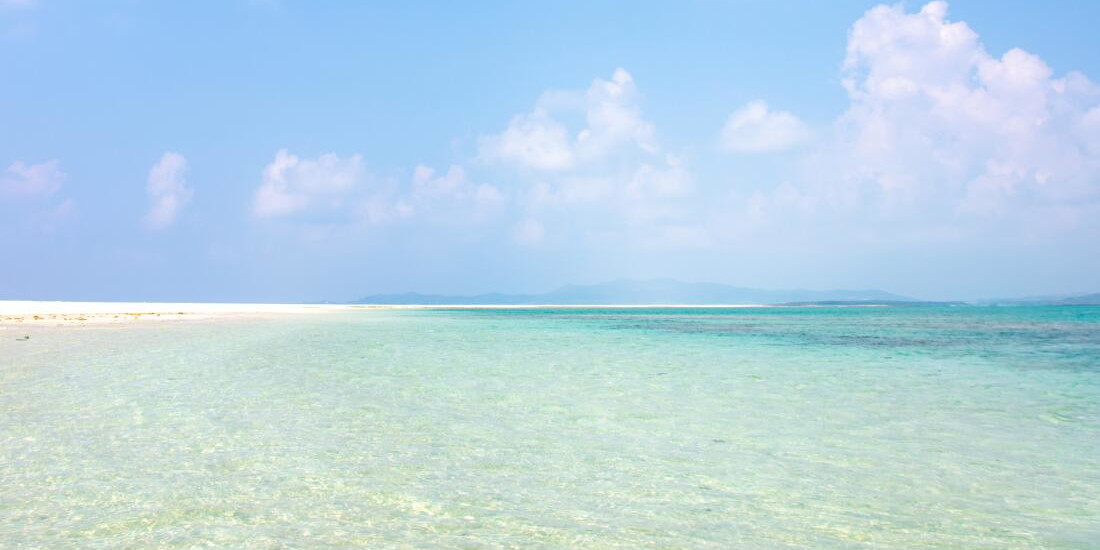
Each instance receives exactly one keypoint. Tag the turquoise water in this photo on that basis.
(749, 428)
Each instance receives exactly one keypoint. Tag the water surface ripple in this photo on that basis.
(819, 428)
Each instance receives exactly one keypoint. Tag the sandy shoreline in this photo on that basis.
(70, 313)
(44, 313)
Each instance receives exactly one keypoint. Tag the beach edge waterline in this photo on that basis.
(47, 313)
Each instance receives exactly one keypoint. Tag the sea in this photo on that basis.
(582, 428)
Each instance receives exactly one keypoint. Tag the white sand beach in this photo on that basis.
(78, 313)
(47, 313)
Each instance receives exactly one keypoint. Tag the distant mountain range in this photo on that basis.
(1062, 300)
(646, 292)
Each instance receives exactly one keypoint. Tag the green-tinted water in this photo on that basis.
(748, 428)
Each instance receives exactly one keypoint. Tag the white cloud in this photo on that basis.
(22, 180)
(427, 184)
(34, 191)
(488, 196)
(756, 129)
(588, 164)
(614, 118)
(541, 140)
(381, 210)
(533, 140)
(654, 201)
(291, 184)
(939, 134)
(168, 190)
(451, 197)
(335, 191)
(934, 119)
(662, 180)
(590, 149)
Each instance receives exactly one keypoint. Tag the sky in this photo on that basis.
(247, 150)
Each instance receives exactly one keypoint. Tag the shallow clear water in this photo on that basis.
(746, 428)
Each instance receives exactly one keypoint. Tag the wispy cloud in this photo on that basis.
(755, 128)
(168, 190)
(291, 184)
(939, 133)
(542, 140)
(34, 193)
(529, 232)
(588, 162)
(452, 194)
(340, 190)
(21, 180)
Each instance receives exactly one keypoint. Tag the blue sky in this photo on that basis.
(288, 151)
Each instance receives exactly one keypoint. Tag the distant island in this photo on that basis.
(1092, 299)
(646, 292)
(673, 292)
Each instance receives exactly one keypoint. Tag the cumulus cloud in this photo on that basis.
(21, 180)
(667, 179)
(756, 129)
(451, 196)
(533, 140)
(291, 184)
(935, 118)
(168, 190)
(336, 190)
(541, 140)
(381, 209)
(427, 184)
(939, 133)
(623, 191)
(590, 153)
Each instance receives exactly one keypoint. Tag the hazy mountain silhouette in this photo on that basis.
(1092, 299)
(643, 292)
